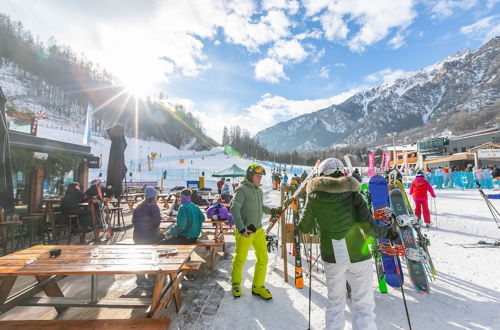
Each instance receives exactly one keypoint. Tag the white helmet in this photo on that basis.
(330, 165)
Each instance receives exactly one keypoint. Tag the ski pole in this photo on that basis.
(435, 212)
(493, 210)
(310, 282)
(398, 272)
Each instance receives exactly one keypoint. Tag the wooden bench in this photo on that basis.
(108, 324)
(191, 266)
(212, 245)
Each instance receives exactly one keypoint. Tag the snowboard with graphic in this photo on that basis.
(415, 256)
(379, 194)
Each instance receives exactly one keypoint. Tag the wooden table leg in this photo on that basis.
(52, 218)
(155, 299)
(177, 294)
(6, 284)
(52, 291)
(94, 222)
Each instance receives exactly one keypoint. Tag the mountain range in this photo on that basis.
(463, 86)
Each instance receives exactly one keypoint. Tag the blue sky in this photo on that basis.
(256, 63)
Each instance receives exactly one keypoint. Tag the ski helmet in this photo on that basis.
(254, 169)
(330, 166)
(420, 173)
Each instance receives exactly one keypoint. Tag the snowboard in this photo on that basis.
(379, 194)
(416, 269)
(423, 240)
(377, 255)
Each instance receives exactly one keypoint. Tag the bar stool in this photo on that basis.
(8, 233)
(68, 228)
(44, 226)
(117, 217)
(32, 224)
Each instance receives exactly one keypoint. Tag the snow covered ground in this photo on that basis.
(465, 295)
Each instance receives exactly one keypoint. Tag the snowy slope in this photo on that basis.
(214, 160)
(466, 294)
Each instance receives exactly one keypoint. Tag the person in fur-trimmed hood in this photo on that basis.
(336, 207)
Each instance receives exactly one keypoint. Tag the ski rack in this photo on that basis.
(286, 202)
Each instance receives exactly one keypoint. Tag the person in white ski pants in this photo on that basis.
(336, 211)
(360, 278)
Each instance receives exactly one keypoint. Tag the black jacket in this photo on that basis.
(335, 206)
(71, 199)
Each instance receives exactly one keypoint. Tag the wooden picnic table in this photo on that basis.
(92, 260)
(219, 230)
(130, 199)
(49, 211)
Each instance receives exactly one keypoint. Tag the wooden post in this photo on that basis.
(283, 237)
(83, 175)
(36, 190)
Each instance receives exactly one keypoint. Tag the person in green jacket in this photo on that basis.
(188, 223)
(247, 208)
(336, 207)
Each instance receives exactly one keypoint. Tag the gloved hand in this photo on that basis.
(393, 235)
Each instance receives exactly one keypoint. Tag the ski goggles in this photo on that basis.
(257, 169)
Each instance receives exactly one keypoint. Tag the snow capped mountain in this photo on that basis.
(463, 82)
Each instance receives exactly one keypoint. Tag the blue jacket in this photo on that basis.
(189, 221)
(146, 220)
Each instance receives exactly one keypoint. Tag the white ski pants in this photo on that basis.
(360, 278)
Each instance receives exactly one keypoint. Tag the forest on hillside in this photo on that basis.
(68, 82)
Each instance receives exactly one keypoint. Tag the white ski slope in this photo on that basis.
(195, 162)
(465, 295)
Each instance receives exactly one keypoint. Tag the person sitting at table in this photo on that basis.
(174, 208)
(226, 191)
(187, 227)
(146, 219)
(70, 204)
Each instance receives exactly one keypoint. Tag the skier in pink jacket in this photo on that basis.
(418, 189)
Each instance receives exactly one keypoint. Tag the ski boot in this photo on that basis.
(236, 290)
(262, 292)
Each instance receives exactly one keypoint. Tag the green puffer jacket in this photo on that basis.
(338, 209)
(247, 206)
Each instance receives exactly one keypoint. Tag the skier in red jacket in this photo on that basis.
(418, 189)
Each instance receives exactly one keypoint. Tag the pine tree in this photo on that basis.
(225, 137)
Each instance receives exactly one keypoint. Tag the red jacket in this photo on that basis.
(220, 183)
(419, 188)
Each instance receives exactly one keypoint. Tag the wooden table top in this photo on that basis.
(10, 222)
(107, 259)
(132, 195)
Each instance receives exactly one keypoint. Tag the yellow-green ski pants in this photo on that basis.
(258, 240)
